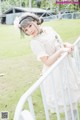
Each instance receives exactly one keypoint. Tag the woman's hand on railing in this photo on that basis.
(69, 50)
(68, 45)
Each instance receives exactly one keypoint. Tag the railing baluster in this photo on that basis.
(55, 96)
(78, 117)
(44, 102)
(64, 79)
(68, 89)
(31, 106)
(77, 53)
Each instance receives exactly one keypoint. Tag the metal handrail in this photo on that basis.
(28, 93)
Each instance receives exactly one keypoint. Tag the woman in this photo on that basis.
(47, 45)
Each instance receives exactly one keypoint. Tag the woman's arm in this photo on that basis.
(49, 60)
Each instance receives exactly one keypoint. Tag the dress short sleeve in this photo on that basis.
(38, 49)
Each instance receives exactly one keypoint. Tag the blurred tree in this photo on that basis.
(38, 2)
(23, 4)
(45, 4)
(79, 3)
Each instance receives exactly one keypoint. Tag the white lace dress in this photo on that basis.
(46, 44)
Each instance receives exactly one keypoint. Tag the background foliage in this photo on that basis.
(45, 4)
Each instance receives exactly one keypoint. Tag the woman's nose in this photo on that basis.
(30, 30)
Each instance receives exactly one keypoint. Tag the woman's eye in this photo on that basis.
(30, 25)
(25, 30)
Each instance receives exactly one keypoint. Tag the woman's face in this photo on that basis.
(32, 29)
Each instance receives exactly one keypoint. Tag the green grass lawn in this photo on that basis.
(19, 66)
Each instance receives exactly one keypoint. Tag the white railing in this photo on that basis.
(73, 15)
(21, 114)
